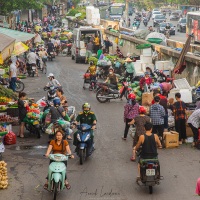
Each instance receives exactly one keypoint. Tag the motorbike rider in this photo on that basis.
(112, 78)
(50, 47)
(59, 146)
(52, 81)
(92, 70)
(149, 143)
(32, 60)
(145, 81)
(43, 56)
(167, 27)
(86, 117)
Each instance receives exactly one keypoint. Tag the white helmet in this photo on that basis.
(50, 75)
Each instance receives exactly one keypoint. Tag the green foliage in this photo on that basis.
(7, 6)
(94, 59)
(73, 12)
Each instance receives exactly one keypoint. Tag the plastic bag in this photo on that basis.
(116, 40)
(196, 71)
(64, 124)
(49, 129)
(121, 43)
(132, 131)
(10, 138)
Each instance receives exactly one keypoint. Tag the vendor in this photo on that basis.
(145, 81)
(130, 69)
(148, 69)
(22, 113)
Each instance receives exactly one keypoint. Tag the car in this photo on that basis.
(181, 26)
(158, 19)
(161, 28)
(174, 16)
(155, 9)
(155, 13)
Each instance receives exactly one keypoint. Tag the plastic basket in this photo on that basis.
(3, 133)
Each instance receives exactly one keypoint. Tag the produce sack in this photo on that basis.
(10, 138)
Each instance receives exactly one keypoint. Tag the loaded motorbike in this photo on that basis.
(19, 84)
(167, 33)
(84, 146)
(106, 92)
(57, 174)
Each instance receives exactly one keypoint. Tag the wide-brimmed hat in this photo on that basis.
(128, 60)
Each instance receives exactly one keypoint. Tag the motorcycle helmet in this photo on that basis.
(142, 110)
(32, 50)
(56, 101)
(91, 63)
(86, 105)
(50, 75)
(146, 73)
(131, 96)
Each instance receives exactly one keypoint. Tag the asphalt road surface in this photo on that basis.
(108, 174)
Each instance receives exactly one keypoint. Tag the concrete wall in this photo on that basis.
(165, 53)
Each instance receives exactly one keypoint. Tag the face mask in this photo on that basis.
(110, 72)
(86, 111)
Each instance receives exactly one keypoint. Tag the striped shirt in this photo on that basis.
(194, 119)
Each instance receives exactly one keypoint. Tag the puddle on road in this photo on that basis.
(27, 147)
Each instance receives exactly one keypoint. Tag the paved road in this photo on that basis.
(108, 174)
(177, 37)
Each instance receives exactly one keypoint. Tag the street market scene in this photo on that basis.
(99, 100)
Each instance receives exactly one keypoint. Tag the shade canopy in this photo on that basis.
(20, 48)
(17, 35)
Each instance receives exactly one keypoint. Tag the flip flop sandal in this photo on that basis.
(68, 186)
(132, 159)
(45, 186)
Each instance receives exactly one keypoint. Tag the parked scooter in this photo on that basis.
(19, 84)
(84, 146)
(57, 174)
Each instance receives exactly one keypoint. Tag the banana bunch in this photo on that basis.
(3, 175)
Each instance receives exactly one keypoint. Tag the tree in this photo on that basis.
(7, 6)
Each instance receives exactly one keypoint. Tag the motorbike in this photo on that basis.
(51, 94)
(150, 173)
(84, 142)
(19, 84)
(167, 33)
(57, 174)
(106, 92)
(51, 55)
(33, 125)
(161, 77)
(31, 69)
(145, 22)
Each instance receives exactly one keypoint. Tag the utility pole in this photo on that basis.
(127, 10)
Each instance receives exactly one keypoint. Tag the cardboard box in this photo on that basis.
(163, 65)
(171, 139)
(147, 98)
(189, 132)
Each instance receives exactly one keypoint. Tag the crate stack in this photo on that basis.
(92, 15)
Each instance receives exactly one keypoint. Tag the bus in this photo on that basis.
(193, 25)
(116, 11)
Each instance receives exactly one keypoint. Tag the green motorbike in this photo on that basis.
(57, 173)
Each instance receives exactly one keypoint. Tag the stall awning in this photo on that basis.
(17, 35)
(6, 47)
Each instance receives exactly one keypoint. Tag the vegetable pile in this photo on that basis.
(3, 175)
(5, 92)
(136, 89)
